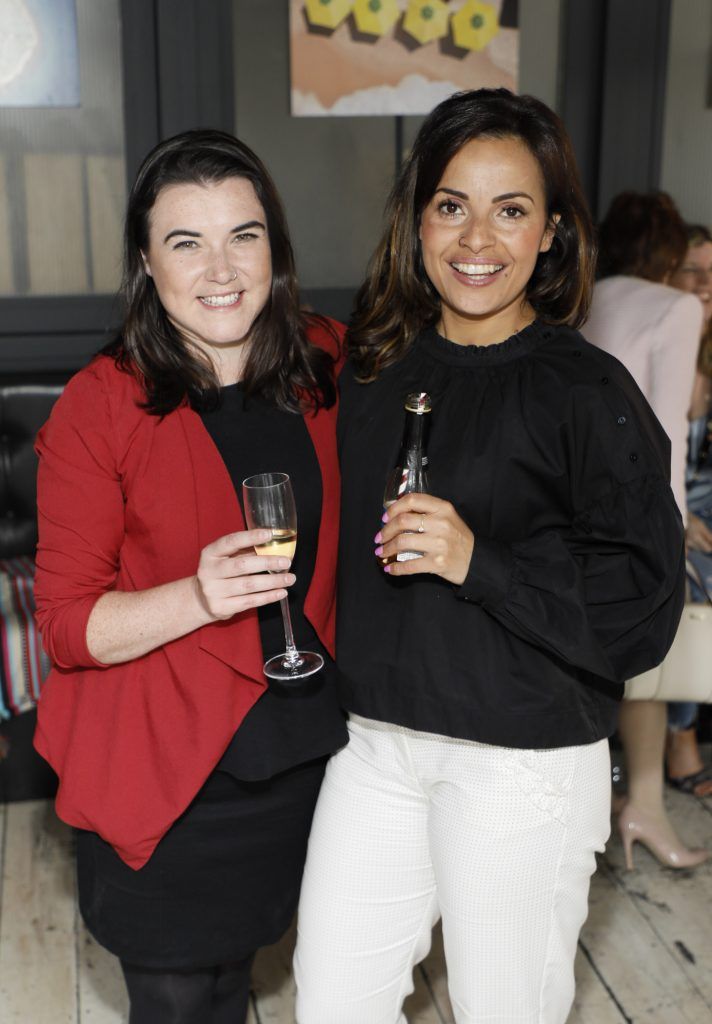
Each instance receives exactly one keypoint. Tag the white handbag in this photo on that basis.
(686, 672)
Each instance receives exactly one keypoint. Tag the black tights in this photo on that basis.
(212, 995)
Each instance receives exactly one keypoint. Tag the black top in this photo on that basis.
(550, 453)
(287, 726)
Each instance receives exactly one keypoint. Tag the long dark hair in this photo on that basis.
(281, 364)
(642, 235)
(397, 299)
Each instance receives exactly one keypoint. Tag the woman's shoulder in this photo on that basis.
(647, 302)
(587, 380)
(578, 362)
(326, 333)
(104, 373)
(600, 396)
(99, 394)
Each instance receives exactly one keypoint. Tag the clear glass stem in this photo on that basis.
(291, 655)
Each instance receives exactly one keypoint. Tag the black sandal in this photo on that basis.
(688, 783)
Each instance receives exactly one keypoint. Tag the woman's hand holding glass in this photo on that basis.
(445, 539)
(231, 578)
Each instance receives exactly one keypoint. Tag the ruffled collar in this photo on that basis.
(514, 347)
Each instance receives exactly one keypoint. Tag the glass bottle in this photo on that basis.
(410, 472)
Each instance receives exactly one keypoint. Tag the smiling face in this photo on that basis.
(481, 234)
(210, 260)
(695, 275)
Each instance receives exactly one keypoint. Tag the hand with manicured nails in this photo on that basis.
(420, 522)
(232, 578)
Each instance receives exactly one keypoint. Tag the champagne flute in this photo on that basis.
(269, 504)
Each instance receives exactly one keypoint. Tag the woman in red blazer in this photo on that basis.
(191, 781)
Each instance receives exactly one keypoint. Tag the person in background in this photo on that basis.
(685, 768)
(192, 783)
(654, 330)
(482, 678)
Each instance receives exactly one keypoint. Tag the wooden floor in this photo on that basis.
(645, 953)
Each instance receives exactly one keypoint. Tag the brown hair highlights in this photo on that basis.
(397, 299)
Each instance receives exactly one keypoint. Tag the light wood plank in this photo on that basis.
(431, 999)
(7, 276)
(106, 192)
(102, 992)
(56, 228)
(37, 927)
(639, 968)
(639, 923)
(593, 1004)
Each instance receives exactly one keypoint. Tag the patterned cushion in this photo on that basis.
(23, 663)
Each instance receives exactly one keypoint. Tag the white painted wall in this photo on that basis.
(687, 152)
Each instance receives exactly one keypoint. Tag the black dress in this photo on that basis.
(550, 453)
(225, 879)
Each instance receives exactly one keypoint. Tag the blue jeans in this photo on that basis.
(683, 714)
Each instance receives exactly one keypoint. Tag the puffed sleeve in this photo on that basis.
(80, 510)
(604, 592)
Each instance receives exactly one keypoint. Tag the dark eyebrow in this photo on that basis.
(497, 199)
(454, 192)
(512, 195)
(196, 234)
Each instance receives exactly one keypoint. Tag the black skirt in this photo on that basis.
(222, 882)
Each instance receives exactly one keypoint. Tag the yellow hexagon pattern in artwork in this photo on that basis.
(426, 20)
(376, 17)
(474, 25)
(327, 13)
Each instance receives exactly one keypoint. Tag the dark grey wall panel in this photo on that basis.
(194, 46)
(636, 45)
(583, 35)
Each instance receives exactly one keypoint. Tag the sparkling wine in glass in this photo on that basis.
(269, 504)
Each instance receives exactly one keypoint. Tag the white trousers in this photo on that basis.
(411, 826)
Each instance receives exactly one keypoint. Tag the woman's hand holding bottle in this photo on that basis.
(232, 578)
(444, 538)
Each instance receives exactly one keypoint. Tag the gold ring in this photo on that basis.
(421, 528)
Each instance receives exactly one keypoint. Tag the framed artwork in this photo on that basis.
(354, 57)
(39, 54)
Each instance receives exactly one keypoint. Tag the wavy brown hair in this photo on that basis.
(397, 299)
(642, 235)
(281, 365)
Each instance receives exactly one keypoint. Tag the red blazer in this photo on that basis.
(126, 501)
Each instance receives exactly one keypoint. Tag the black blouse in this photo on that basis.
(287, 726)
(550, 453)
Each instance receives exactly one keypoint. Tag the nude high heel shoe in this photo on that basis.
(636, 827)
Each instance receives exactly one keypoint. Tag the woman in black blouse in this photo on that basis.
(482, 678)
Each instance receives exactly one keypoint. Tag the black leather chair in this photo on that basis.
(25, 404)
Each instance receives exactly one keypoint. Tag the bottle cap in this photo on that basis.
(419, 402)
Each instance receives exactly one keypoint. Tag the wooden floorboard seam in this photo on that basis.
(636, 899)
(594, 967)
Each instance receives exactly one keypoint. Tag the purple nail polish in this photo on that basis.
(378, 538)
(379, 551)
(386, 568)
(384, 517)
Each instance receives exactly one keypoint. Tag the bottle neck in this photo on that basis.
(414, 432)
